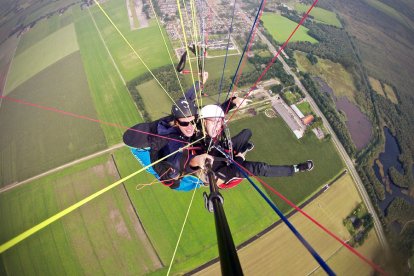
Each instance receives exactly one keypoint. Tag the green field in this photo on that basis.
(281, 27)
(305, 108)
(320, 15)
(34, 140)
(41, 55)
(43, 8)
(110, 96)
(214, 66)
(146, 42)
(43, 29)
(157, 103)
(100, 237)
(276, 144)
(334, 74)
(25, 12)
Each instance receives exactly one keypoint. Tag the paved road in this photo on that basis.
(337, 143)
(67, 165)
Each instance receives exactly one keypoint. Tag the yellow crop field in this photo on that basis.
(390, 93)
(280, 253)
(376, 85)
(342, 261)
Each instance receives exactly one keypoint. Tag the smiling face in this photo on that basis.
(186, 125)
(213, 126)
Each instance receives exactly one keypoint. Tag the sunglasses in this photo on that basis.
(184, 124)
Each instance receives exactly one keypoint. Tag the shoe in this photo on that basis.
(304, 167)
(248, 147)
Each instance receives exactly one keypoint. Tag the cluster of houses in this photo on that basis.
(216, 18)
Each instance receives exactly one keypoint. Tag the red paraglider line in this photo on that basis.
(85, 117)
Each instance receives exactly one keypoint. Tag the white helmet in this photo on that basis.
(212, 111)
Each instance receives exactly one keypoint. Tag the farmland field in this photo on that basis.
(41, 55)
(344, 262)
(320, 15)
(147, 42)
(15, 13)
(281, 27)
(34, 140)
(214, 66)
(156, 101)
(43, 29)
(280, 253)
(334, 74)
(110, 96)
(101, 237)
(43, 8)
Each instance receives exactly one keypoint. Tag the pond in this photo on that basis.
(386, 160)
(357, 122)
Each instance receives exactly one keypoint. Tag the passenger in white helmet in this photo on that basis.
(215, 143)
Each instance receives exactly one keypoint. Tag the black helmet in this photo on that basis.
(184, 108)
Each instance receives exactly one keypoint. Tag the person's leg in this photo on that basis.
(264, 169)
(241, 140)
(227, 172)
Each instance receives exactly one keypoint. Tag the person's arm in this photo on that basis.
(234, 102)
(137, 136)
(190, 94)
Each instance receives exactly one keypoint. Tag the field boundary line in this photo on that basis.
(64, 166)
(8, 71)
(106, 47)
(160, 264)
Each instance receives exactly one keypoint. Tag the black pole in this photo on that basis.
(229, 260)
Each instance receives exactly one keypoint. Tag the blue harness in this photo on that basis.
(187, 183)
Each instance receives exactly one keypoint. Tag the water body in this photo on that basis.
(388, 159)
(357, 122)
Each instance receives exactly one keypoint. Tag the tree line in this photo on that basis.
(168, 79)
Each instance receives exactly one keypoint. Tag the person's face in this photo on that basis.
(186, 125)
(213, 126)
